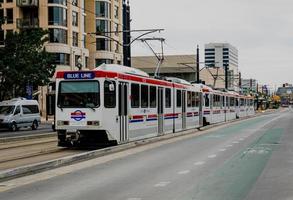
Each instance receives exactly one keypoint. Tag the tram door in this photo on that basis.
(183, 109)
(160, 111)
(123, 111)
(200, 109)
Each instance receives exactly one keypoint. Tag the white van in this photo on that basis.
(19, 112)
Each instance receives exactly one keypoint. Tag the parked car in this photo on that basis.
(19, 112)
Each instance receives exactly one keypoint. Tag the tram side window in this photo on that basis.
(207, 100)
(197, 99)
(223, 101)
(232, 102)
(168, 97)
(144, 96)
(228, 102)
(109, 94)
(189, 99)
(179, 101)
(153, 97)
(193, 99)
(135, 94)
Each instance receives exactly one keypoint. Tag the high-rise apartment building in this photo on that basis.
(104, 25)
(224, 55)
(76, 28)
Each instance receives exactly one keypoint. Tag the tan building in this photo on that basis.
(181, 66)
(70, 25)
(173, 66)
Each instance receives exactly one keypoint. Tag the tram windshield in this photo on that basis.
(79, 94)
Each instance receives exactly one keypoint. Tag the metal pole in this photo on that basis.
(226, 75)
(197, 65)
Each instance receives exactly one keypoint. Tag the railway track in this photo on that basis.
(20, 153)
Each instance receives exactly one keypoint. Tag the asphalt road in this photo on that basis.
(250, 160)
(43, 128)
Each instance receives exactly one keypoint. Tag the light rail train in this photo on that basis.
(116, 104)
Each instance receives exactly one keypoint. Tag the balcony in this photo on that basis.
(27, 23)
(27, 3)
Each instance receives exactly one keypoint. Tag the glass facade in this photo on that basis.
(61, 2)
(61, 59)
(102, 26)
(103, 9)
(103, 61)
(103, 44)
(58, 35)
(57, 16)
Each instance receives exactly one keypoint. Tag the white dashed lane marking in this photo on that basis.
(212, 156)
(162, 184)
(229, 145)
(183, 172)
(199, 163)
(222, 149)
(235, 142)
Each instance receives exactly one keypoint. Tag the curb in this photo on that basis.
(60, 162)
(27, 137)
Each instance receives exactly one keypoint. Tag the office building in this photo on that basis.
(221, 55)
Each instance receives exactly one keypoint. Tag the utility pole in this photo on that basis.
(226, 75)
(240, 83)
(197, 65)
(126, 34)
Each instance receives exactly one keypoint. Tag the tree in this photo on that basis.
(24, 61)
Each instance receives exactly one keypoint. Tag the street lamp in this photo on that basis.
(79, 63)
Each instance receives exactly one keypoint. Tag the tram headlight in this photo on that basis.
(93, 123)
(62, 123)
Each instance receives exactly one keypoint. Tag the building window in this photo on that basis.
(109, 94)
(102, 26)
(9, 15)
(58, 35)
(75, 2)
(144, 96)
(57, 16)
(135, 94)
(206, 50)
(102, 9)
(103, 44)
(61, 2)
(86, 62)
(9, 1)
(116, 29)
(103, 61)
(74, 18)
(62, 59)
(76, 59)
(116, 12)
(75, 39)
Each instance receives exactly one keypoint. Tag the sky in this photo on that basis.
(261, 30)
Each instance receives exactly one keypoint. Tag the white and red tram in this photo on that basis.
(119, 104)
